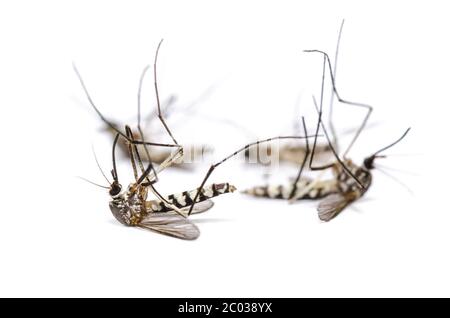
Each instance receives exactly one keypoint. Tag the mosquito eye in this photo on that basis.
(368, 162)
(115, 189)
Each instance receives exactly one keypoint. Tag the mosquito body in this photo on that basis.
(185, 199)
(349, 183)
(306, 189)
(131, 208)
(165, 215)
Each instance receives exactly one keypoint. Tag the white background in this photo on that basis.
(57, 235)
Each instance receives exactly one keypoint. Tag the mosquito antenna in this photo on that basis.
(330, 119)
(393, 144)
(404, 154)
(368, 107)
(91, 182)
(161, 118)
(98, 165)
(114, 170)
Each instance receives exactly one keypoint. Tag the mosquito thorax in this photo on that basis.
(119, 211)
(126, 206)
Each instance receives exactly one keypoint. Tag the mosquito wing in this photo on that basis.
(332, 206)
(200, 207)
(171, 225)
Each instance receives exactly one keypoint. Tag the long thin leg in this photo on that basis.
(311, 158)
(346, 169)
(368, 107)
(114, 169)
(294, 185)
(320, 123)
(134, 156)
(141, 134)
(168, 162)
(106, 121)
(214, 166)
(169, 102)
(160, 116)
(330, 118)
(131, 153)
(307, 188)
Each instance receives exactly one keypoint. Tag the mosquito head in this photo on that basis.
(115, 189)
(369, 161)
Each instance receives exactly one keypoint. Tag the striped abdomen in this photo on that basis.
(306, 189)
(186, 198)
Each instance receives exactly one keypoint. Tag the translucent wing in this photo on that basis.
(332, 206)
(170, 224)
(200, 207)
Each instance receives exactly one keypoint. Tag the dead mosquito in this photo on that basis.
(350, 181)
(131, 207)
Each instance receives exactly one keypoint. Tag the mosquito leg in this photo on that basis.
(294, 185)
(246, 147)
(165, 105)
(320, 123)
(111, 125)
(330, 118)
(141, 134)
(368, 107)
(160, 116)
(168, 161)
(307, 188)
(346, 169)
(114, 170)
(131, 152)
(147, 153)
(146, 172)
